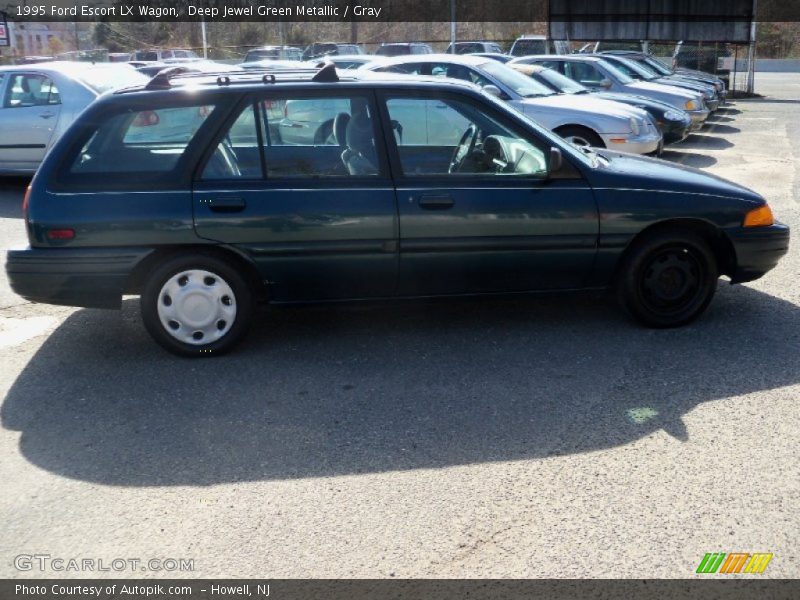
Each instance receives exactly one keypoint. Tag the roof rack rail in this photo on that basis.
(162, 80)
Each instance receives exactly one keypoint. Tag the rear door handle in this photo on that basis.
(436, 202)
(226, 204)
(48, 115)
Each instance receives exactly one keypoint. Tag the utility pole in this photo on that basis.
(452, 26)
(751, 53)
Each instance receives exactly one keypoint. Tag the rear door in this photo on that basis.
(319, 218)
(31, 106)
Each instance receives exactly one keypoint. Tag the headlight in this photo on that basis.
(634, 126)
(673, 115)
(691, 105)
(708, 95)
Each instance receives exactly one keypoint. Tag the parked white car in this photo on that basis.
(582, 120)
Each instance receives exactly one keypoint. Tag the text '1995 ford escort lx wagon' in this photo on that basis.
(206, 195)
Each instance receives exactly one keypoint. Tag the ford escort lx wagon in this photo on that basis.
(186, 192)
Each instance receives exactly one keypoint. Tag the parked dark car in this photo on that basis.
(183, 192)
(402, 49)
(474, 48)
(320, 49)
(273, 53)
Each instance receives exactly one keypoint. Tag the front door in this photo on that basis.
(478, 212)
(316, 213)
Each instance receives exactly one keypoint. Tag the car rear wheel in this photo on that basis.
(196, 305)
(581, 136)
(668, 279)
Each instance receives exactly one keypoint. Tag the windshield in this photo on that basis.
(614, 71)
(519, 83)
(657, 65)
(561, 83)
(104, 79)
(641, 69)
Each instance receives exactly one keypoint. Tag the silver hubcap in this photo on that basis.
(196, 307)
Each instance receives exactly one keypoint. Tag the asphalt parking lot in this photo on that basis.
(525, 437)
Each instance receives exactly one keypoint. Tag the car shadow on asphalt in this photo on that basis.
(704, 141)
(690, 159)
(12, 191)
(335, 390)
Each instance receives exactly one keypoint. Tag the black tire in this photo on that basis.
(222, 274)
(668, 278)
(583, 133)
(324, 133)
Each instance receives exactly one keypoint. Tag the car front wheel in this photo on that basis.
(196, 305)
(667, 279)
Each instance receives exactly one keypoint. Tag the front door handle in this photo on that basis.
(47, 115)
(436, 202)
(226, 204)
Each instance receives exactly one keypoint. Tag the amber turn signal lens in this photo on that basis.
(759, 217)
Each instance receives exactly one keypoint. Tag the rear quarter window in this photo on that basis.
(134, 147)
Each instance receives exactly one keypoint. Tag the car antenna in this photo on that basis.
(326, 74)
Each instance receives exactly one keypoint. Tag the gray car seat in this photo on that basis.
(359, 157)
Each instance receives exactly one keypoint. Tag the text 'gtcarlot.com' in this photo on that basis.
(46, 562)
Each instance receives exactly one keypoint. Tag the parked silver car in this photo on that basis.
(595, 72)
(582, 120)
(40, 101)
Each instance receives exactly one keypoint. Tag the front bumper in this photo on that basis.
(675, 131)
(758, 250)
(644, 143)
(88, 277)
(712, 104)
(699, 117)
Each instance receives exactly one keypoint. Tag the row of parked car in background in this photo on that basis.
(623, 99)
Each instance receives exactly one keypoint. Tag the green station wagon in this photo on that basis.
(185, 191)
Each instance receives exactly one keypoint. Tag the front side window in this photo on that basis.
(299, 137)
(149, 141)
(453, 137)
(30, 90)
(584, 73)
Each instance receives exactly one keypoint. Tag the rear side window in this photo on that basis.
(528, 47)
(149, 141)
(299, 137)
(146, 55)
(30, 90)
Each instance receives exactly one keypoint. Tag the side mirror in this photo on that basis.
(556, 160)
(605, 83)
(493, 90)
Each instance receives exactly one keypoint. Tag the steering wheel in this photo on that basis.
(465, 147)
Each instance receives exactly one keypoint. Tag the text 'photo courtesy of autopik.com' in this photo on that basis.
(399, 299)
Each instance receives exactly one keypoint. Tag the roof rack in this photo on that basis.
(163, 79)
